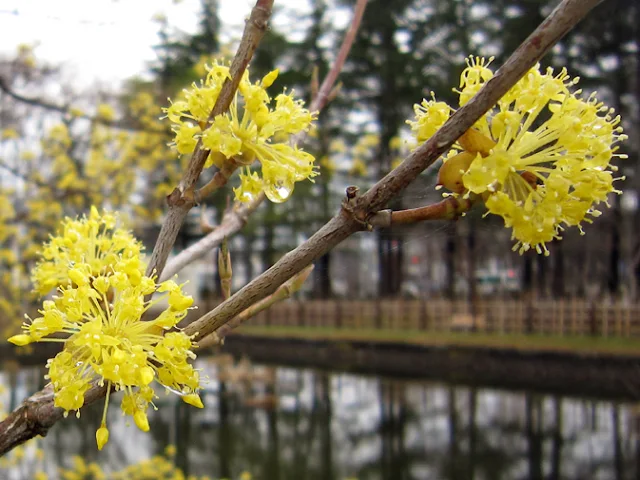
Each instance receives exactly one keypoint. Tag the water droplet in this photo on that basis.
(278, 192)
(246, 197)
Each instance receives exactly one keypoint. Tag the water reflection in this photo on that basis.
(283, 423)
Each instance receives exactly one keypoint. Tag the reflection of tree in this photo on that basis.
(556, 449)
(182, 424)
(225, 434)
(382, 429)
(617, 447)
(272, 467)
(396, 416)
(534, 435)
(472, 430)
(454, 465)
(325, 427)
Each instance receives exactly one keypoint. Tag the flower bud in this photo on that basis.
(450, 174)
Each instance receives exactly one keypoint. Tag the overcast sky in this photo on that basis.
(103, 39)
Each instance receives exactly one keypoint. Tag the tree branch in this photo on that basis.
(450, 208)
(66, 110)
(35, 416)
(232, 221)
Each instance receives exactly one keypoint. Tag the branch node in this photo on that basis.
(380, 219)
(349, 206)
(352, 192)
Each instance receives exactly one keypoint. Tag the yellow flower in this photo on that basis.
(97, 315)
(105, 112)
(107, 341)
(430, 116)
(87, 247)
(102, 436)
(540, 158)
(256, 132)
(9, 133)
(358, 167)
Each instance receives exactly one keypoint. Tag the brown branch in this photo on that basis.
(219, 180)
(322, 98)
(37, 415)
(451, 208)
(182, 199)
(232, 221)
(282, 293)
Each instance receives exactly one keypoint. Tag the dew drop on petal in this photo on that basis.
(278, 193)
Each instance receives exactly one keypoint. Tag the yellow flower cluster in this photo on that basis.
(540, 158)
(81, 470)
(158, 467)
(257, 132)
(86, 247)
(97, 314)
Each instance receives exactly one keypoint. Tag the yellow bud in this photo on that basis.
(142, 422)
(180, 302)
(146, 375)
(170, 450)
(102, 436)
(475, 142)
(193, 399)
(298, 280)
(78, 277)
(21, 340)
(450, 174)
(101, 284)
(269, 78)
(224, 261)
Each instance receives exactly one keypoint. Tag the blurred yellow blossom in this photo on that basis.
(105, 112)
(9, 133)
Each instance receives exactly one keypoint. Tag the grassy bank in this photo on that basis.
(534, 343)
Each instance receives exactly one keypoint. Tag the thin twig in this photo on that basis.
(322, 97)
(450, 208)
(232, 221)
(282, 293)
(218, 181)
(66, 110)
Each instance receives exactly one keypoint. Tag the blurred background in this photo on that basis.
(81, 90)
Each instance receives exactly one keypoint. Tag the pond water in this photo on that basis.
(285, 423)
